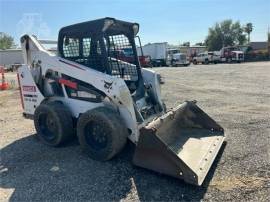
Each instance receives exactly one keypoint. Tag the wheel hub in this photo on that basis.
(96, 136)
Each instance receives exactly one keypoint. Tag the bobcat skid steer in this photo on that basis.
(104, 97)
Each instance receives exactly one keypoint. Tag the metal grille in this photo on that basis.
(86, 47)
(87, 51)
(71, 47)
(121, 58)
(90, 55)
(183, 57)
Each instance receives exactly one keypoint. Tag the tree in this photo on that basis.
(248, 29)
(225, 33)
(200, 44)
(6, 41)
(186, 44)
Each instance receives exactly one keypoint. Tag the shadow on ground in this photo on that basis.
(37, 172)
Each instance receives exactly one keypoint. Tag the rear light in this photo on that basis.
(20, 88)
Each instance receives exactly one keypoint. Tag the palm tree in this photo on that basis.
(248, 29)
(268, 43)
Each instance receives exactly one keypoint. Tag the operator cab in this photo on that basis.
(100, 44)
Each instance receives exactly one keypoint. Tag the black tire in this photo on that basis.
(206, 61)
(111, 137)
(53, 123)
(194, 62)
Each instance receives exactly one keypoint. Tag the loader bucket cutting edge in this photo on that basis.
(183, 143)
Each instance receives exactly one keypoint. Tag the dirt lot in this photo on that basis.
(236, 95)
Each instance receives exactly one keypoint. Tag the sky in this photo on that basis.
(172, 21)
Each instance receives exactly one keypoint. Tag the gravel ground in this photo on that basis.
(236, 95)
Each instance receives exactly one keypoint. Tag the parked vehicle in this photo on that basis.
(156, 51)
(161, 55)
(216, 57)
(126, 54)
(193, 51)
(106, 100)
(231, 54)
(178, 59)
(203, 58)
(145, 61)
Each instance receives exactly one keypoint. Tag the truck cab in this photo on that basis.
(178, 59)
(232, 54)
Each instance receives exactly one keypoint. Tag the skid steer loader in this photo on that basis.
(90, 90)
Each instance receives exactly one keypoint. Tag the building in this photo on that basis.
(11, 57)
(259, 45)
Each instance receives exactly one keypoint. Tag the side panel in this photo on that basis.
(150, 77)
(76, 106)
(31, 96)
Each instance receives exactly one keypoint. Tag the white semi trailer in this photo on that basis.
(161, 55)
(156, 51)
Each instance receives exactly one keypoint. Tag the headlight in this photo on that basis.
(135, 29)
